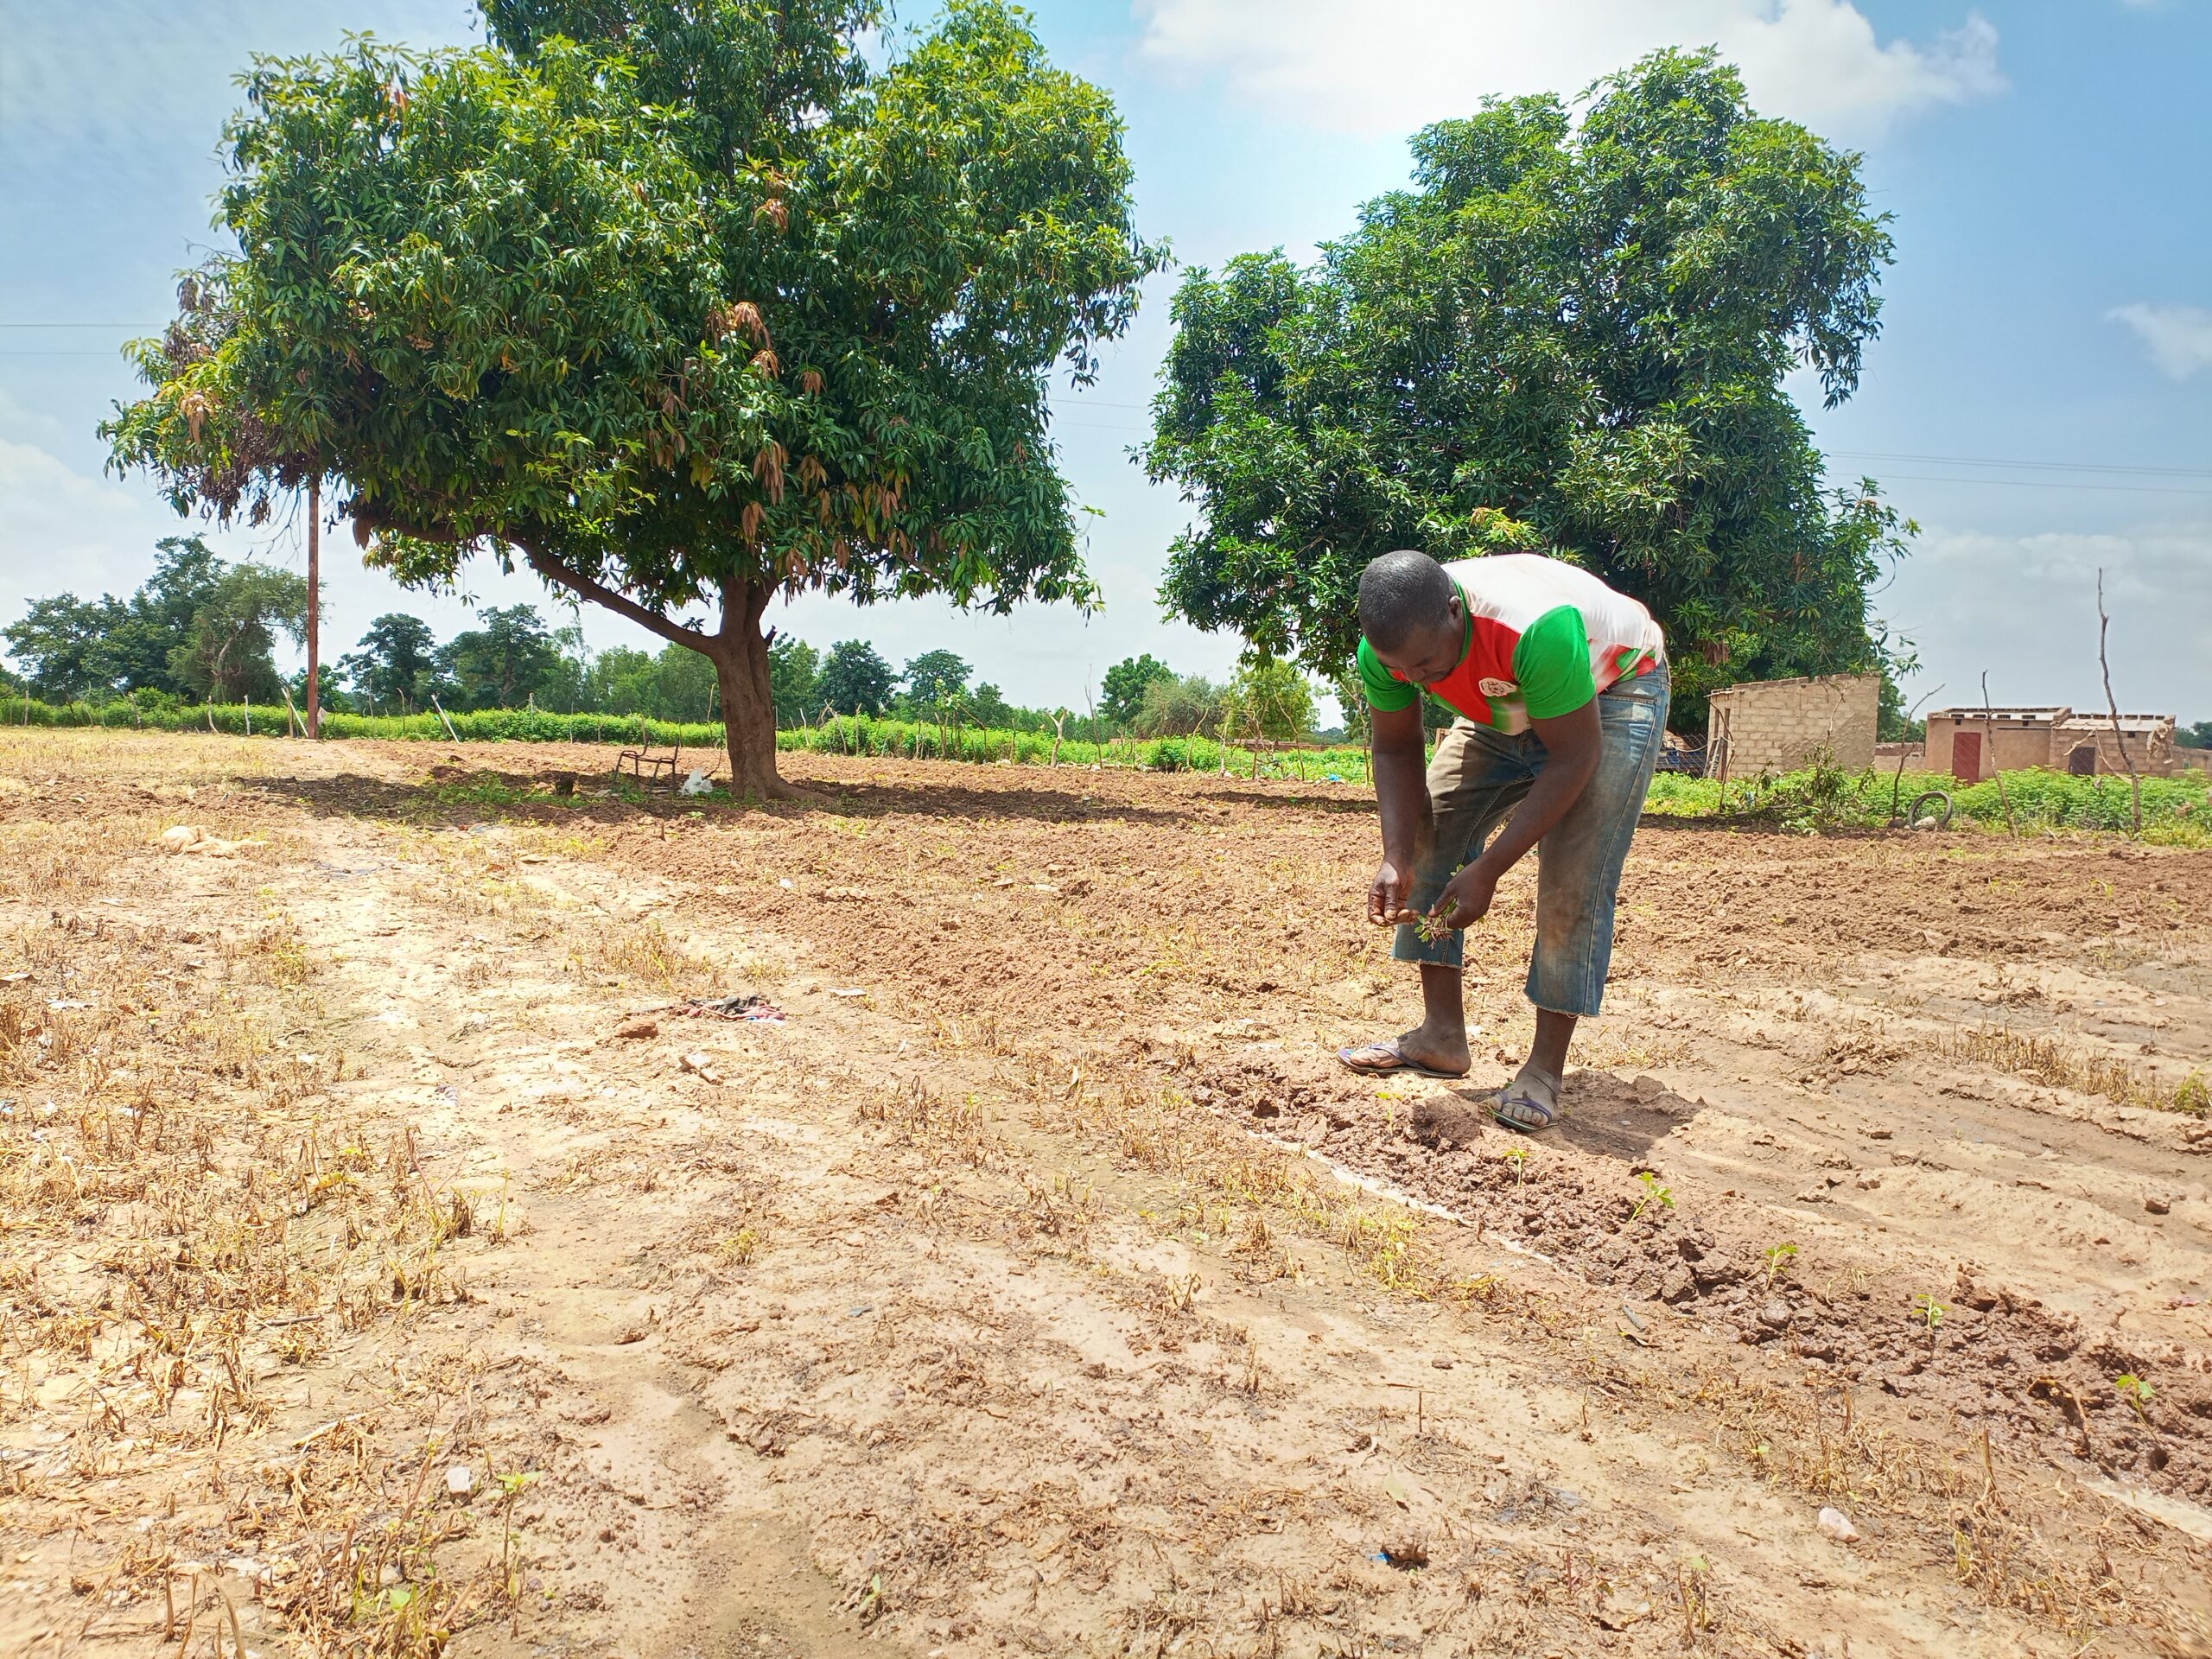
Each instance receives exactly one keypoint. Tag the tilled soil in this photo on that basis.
(1035, 1281)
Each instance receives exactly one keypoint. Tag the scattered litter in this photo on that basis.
(856, 1312)
(1835, 1523)
(744, 1005)
(191, 838)
(62, 1004)
(461, 1479)
(696, 783)
(1408, 1554)
(701, 1065)
(449, 1093)
(853, 991)
(787, 884)
(12, 979)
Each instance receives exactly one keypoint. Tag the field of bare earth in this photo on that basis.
(442, 1214)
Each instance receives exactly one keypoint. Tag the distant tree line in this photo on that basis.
(201, 630)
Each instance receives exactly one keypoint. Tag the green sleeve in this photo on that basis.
(1552, 662)
(1384, 692)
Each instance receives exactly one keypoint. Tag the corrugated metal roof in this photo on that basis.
(2144, 723)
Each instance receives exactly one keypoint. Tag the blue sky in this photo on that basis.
(2040, 401)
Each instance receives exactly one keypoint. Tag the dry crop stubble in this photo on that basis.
(195, 1224)
(1135, 1165)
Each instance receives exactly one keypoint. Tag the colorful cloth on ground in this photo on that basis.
(1543, 638)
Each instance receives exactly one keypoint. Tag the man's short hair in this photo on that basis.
(1403, 595)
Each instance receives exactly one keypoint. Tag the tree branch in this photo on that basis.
(652, 621)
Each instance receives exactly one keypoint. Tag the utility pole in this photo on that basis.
(315, 605)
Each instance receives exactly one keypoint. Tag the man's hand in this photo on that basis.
(1466, 898)
(1386, 899)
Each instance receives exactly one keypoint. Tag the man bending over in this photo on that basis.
(1560, 686)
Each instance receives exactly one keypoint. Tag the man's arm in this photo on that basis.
(1572, 743)
(1401, 792)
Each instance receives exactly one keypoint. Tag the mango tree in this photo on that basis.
(680, 303)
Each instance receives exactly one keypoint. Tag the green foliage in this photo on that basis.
(78, 648)
(1269, 700)
(794, 675)
(683, 302)
(1123, 699)
(670, 684)
(502, 664)
(2176, 810)
(2198, 736)
(988, 707)
(1179, 706)
(936, 678)
(856, 680)
(1569, 338)
(395, 665)
(228, 652)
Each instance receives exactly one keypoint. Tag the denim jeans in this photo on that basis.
(1479, 775)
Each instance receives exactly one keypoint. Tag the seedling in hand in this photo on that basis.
(1432, 928)
(1931, 1314)
(1654, 1194)
(2136, 1392)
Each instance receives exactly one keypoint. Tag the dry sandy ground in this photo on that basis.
(388, 1254)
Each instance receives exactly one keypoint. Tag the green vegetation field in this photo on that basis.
(2175, 811)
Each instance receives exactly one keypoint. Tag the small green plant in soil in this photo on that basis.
(2136, 1393)
(1655, 1197)
(1778, 1258)
(1518, 1157)
(1931, 1314)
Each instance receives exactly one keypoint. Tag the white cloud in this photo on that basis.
(2178, 337)
(1390, 66)
(2025, 608)
(60, 529)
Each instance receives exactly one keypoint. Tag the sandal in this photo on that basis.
(1518, 1110)
(1381, 1059)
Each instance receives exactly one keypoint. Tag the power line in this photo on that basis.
(2040, 466)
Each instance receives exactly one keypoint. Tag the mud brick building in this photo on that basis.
(1779, 724)
(1972, 744)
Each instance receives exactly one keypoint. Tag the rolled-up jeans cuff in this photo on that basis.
(1432, 875)
(1443, 952)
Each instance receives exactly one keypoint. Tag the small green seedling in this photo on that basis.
(2136, 1392)
(1653, 1195)
(1931, 1314)
(1518, 1157)
(1778, 1258)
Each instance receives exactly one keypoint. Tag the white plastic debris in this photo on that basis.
(696, 783)
(1835, 1523)
(461, 1479)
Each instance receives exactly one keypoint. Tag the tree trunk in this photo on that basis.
(739, 654)
(315, 608)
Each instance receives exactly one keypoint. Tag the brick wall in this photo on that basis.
(1779, 724)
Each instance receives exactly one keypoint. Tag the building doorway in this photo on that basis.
(1966, 756)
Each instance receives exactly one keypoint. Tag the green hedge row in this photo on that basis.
(889, 739)
(2174, 808)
